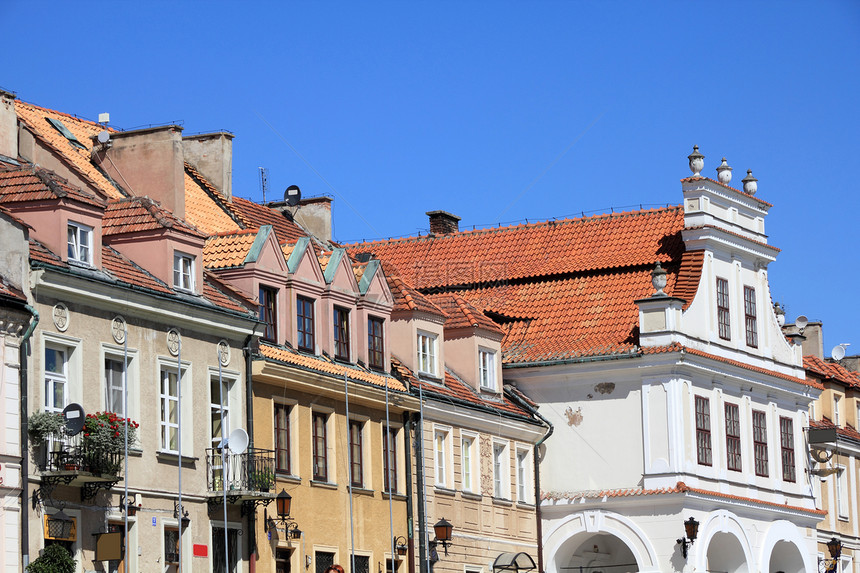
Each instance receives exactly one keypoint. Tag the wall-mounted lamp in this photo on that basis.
(283, 504)
(834, 547)
(691, 530)
(400, 545)
(443, 530)
(182, 514)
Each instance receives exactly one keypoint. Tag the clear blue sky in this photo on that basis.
(497, 112)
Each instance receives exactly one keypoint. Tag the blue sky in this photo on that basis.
(497, 112)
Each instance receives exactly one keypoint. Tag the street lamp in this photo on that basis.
(443, 530)
(400, 545)
(283, 503)
(691, 530)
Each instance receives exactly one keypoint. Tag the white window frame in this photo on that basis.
(469, 462)
(427, 353)
(442, 456)
(53, 379)
(842, 494)
(168, 367)
(79, 250)
(183, 271)
(501, 462)
(523, 462)
(487, 369)
(837, 419)
(230, 380)
(112, 352)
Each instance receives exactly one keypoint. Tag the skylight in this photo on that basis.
(58, 125)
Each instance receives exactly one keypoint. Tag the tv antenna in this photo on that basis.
(264, 181)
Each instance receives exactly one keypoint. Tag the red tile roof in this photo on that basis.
(329, 367)
(559, 289)
(35, 118)
(259, 215)
(847, 431)
(461, 314)
(30, 183)
(830, 371)
(205, 207)
(8, 290)
(680, 487)
(407, 298)
(229, 249)
(123, 270)
(136, 214)
(455, 389)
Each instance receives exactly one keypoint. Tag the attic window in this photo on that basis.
(58, 125)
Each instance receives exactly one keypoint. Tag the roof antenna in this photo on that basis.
(264, 181)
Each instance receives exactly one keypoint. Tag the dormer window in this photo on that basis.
(375, 343)
(183, 271)
(80, 243)
(341, 333)
(487, 369)
(305, 323)
(427, 353)
(269, 312)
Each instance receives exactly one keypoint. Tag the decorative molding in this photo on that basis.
(118, 328)
(174, 341)
(60, 315)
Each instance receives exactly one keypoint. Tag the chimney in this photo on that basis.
(212, 155)
(8, 125)
(147, 162)
(443, 222)
(313, 214)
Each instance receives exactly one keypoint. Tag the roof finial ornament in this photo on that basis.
(750, 183)
(724, 172)
(697, 161)
(780, 314)
(658, 280)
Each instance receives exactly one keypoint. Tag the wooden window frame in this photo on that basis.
(759, 425)
(340, 326)
(704, 451)
(750, 320)
(376, 343)
(786, 444)
(282, 438)
(305, 324)
(389, 456)
(734, 460)
(724, 324)
(319, 450)
(356, 449)
(268, 297)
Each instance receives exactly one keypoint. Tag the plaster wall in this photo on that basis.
(461, 356)
(50, 222)
(404, 339)
(212, 155)
(155, 253)
(8, 126)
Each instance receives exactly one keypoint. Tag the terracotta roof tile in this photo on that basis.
(30, 183)
(324, 365)
(830, 371)
(203, 205)
(125, 271)
(34, 117)
(225, 296)
(41, 254)
(408, 299)
(689, 275)
(259, 215)
(229, 249)
(680, 487)
(136, 214)
(461, 314)
(12, 216)
(8, 290)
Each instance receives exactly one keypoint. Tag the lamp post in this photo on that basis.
(691, 531)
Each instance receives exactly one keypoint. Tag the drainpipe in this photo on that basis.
(528, 407)
(249, 417)
(422, 519)
(410, 538)
(23, 351)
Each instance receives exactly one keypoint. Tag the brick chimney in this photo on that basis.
(443, 222)
(8, 125)
(148, 162)
(212, 155)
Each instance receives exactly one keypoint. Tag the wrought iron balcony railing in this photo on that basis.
(251, 471)
(72, 454)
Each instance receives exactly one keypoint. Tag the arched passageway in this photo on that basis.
(786, 558)
(596, 553)
(725, 554)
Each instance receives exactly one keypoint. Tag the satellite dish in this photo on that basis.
(293, 195)
(801, 322)
(103, 136)
(237, 441)
(73, 415)
(838, 352)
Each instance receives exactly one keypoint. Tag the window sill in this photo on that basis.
(394, 495)
(433, 378)
(361, 491)
(168, 456)
(471, 495)
(287, 477)
(502, 501)
(445, 491)
(323, 484)
(525, 505)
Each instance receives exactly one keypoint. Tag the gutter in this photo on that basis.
(23, 351)
(580, 360)
(528, 407)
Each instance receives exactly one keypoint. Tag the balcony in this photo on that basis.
(72, 462)
(245, 478)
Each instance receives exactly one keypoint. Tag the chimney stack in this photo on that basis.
(443, 222)
(212, 155)
(148, 162)
(8, 125)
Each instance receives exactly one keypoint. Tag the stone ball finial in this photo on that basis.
(724, 172)
(750, 183)
(697, 161)
(658, 280)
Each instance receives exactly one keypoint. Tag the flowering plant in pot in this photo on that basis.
(103, 441)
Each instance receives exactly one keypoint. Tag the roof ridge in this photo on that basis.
(64, 114)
